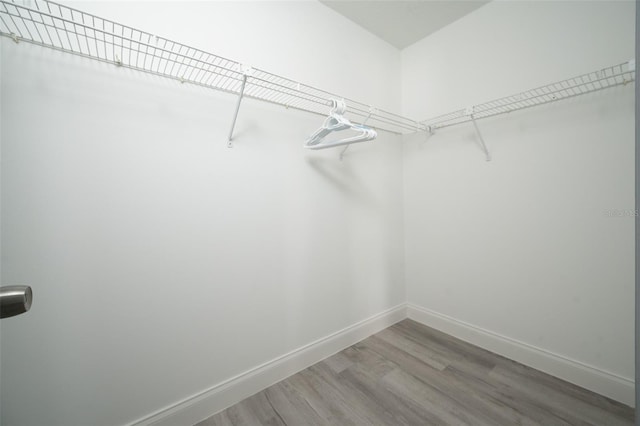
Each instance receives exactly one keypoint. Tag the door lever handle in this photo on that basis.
(15, 300)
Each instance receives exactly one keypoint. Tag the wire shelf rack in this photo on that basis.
(616, 75)
(63, 28)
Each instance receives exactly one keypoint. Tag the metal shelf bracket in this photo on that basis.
(469, 112)
(246, 71)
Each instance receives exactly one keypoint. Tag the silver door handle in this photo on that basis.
(15, 300)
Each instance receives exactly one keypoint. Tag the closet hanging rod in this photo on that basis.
(49, 24)
(612, 76)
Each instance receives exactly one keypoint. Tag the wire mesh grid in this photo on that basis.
(56, 26)
(616, 75)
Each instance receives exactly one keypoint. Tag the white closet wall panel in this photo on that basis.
(535, 247)
(163, 262)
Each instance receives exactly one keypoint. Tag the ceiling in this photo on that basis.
(400, 22)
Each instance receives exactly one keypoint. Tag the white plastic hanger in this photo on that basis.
(336, 122)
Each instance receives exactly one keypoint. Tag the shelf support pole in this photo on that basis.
(235, 116)
(245, 73)
(483, 145)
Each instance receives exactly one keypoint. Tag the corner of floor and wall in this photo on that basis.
(174, 276)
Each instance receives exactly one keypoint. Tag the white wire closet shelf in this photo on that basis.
(59, 27)
(616, 75)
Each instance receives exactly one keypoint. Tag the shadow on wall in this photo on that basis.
(342, 176)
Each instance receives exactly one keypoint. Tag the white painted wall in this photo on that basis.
(162, 262)
(521, 247)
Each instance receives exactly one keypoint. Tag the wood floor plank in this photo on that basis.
(339, 362)
(475, 403)
(510, 404)
(376, 364)
(325, 399)
(405, 411)
(220, 419)
(356, 396)
(261, 408)
(526, 374)
(410, 374)
(291, 406)
(452, 348)
(366, 373)
(415, 349)
(559, 401)
(242, 414)
(444, 406)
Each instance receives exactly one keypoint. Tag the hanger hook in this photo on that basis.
(338, 106)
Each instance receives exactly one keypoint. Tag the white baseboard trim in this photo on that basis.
(204, 404)
(602, 382)
(208, 402)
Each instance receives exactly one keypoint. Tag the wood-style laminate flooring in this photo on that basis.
(410, 374)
